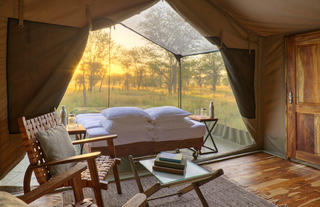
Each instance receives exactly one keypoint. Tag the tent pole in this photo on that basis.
(178, 57)
(109, 71)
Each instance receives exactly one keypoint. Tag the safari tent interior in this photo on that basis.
(270, 49)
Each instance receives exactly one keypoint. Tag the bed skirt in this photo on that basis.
(150, 148)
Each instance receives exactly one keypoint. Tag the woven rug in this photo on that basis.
(219, 193)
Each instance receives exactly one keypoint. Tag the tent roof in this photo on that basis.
(273, 16)
(162, 25)
(73, 12)
(263, 17)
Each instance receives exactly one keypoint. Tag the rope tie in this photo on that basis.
(89, 16)
(249, 43)
(20, 14)
(221, 40)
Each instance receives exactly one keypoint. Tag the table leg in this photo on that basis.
(215, 149)
(81, 136)
(200, 195)
(153, 189)
(135, 173)
(195, 186)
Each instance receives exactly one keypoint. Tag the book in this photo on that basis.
(170, 157)
(174, 165)
(168, 170)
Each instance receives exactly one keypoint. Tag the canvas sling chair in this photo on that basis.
(8, 200)
(97, 166)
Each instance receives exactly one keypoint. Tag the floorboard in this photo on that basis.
(279, 180)
(273, 178)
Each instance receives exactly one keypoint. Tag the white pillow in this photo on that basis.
(166, 113)
(177, 123)
(115, 126)
(130, 114)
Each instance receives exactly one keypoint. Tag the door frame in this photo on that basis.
(290, 63)
(290, 80)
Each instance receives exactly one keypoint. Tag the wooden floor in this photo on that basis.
(279, 180)
(268, 176)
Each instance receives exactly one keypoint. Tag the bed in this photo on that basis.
(140, 140)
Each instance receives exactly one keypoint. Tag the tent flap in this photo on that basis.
(41, 61)
(274, 94)
(240, 65)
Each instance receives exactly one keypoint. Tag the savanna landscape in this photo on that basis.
(115, 72)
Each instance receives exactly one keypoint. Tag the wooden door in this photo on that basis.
(303, 97)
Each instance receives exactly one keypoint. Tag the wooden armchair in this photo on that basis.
(138, 200)
(94, 176)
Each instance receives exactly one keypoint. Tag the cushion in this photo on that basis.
(56, 145)
(8, 200)
(166, 113)
(130, 114)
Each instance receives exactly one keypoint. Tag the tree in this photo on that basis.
(164, 64)
(162, 25)
(95, 74)
(213, 65)
(126, 64)
(200, 72)
(96, 57)
(138, 57)
(81, 80)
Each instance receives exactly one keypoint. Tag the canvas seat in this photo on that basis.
(8, 200)
(104, 165)
(98, 167)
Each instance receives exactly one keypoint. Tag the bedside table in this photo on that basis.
(205, 120)
(79, 131)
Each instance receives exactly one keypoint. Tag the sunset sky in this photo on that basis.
(126, 38)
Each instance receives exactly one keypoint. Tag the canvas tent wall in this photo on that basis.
(247, 24)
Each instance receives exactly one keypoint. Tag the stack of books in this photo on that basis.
(170, 163)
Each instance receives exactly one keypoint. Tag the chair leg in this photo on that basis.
(95, 181)
(77, 188)
(117, 178)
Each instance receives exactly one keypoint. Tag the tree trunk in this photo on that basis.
(215, 78)
(90, 84)
(169, 82)
(200, 81)
(100, 87)
(170, 89)
(84, 93)
(174, 80)
(140, 78)
(214, 87)
(126, 82)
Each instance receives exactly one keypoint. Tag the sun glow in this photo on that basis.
(120, 36)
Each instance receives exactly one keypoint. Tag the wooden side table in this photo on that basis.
(205, 120)
(195, 176)
(79, 131)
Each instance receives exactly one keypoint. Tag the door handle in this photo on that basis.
(290, 96)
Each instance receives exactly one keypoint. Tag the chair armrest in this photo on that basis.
(76, 158)
(95, 139)
(139, 200)
(53, 183)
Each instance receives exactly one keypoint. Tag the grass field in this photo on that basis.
(192, 100)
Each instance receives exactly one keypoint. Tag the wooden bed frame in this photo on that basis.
(153, 147)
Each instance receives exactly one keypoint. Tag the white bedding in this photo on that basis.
(146, 135)
(195, 131)
(90, 120)
(124, 137)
